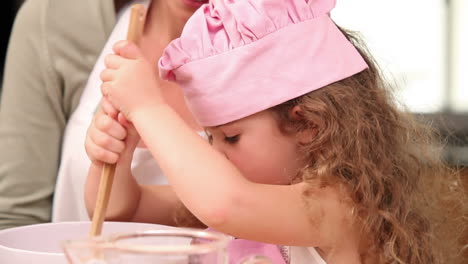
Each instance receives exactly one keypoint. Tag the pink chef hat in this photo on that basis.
(239, 57)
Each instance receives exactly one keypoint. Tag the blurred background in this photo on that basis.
(419, 45)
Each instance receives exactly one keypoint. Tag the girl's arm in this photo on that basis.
(204, 180)
(216, 192)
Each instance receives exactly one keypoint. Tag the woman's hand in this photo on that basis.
(129, 80)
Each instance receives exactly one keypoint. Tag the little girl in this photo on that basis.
(307, 149)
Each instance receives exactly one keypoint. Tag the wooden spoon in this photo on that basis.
(135, 30)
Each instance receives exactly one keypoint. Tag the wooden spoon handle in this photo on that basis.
(135, 30)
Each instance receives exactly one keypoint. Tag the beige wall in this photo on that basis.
(460, 52)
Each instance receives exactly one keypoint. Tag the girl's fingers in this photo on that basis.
(109, 109)
(110, 126)
(127, 50)
(119, 45)
(112, 61)
(133, 137)
(107, 142)
(98, 154)
(107, 75)
(123, 120)
(105, 87)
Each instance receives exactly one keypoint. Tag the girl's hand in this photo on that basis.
(129, 80)
(110, 137)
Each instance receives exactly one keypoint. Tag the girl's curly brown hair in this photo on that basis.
(403, 194)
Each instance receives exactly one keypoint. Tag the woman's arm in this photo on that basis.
(30, 124)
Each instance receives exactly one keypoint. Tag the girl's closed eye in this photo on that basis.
(232, 139)
(228, 137)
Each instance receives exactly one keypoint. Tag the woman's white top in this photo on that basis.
(68, 202)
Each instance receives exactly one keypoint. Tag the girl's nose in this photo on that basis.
(220, 149)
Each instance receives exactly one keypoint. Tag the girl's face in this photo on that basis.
(256, 146)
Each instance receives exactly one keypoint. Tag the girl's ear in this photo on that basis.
(309, 131)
